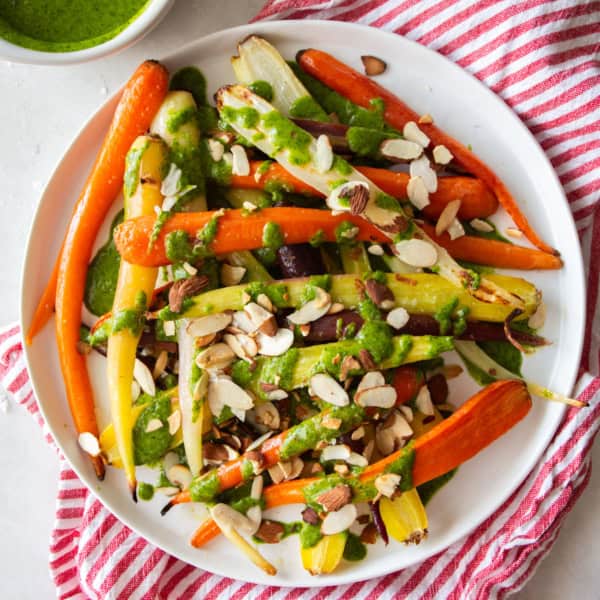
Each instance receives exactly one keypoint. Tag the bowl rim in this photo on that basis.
(151, 15)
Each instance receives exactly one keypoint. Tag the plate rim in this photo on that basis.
(279, 27)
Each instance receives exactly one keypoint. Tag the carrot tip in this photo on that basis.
(99, 467)
(166, 508)
(133, 491)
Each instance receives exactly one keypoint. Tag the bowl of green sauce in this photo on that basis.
(72, 31)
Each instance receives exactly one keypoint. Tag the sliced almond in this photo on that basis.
(387, 484)
(254, 515)
(340, 199)
(339, 520)
(358, 433)
(373, 65)
(169, 328)
(242, 322)
(246, 204)
(335, 308)
(417, 253)
(337, 452)
(421, 167)
(223, 391)
(481, 225)
(276, 395)
(370, 380)
(456, 229)
(89, 443)
(407, 412)
(257, 443)
(375, 250)
(234, 342)
(398, 317)
(153, 425)
(262, 319)
(441, 155)
(180, 476)
(172, 182)
(417, 192)
(267, 414)
(264, 301)
(313, 309)
(174, 421)
(447, 216)
(328, 389)
(143, 376)
(276, 473)
(400, 149)
(423, 401)
(257, 488)
(357, 460)
(538, 318)
(383, 396)
(324, 154)
(240, 164)
(514, 232)
(218, 356)
(412, 132)
(210, 324)
(275, 345)
(334, 498)
(161, 364)
(425, 119)
(392, 435)
(231, 274)
(228, 518)
(135, 390)
(215, 149)
(331, 423)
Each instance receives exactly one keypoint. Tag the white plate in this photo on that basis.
(469, 111)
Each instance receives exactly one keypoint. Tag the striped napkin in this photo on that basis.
(540, 56)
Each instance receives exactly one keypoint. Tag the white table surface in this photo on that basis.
(42, 110)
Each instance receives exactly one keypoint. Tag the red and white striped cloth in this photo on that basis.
(541, 57)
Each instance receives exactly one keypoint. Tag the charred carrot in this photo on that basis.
(236, 230)
(141, 98)
(475, 425)
(407, 382)
(494, 253)
(476, 199)
(362, 90)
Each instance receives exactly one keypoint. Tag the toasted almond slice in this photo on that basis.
(357, 460)
(169, 328)
(264, 301)
(174, 421)
(231, 274)
(456, 229)
(324, 154)
(160, 364)
(257, 488)
(243, 322)
(180, 476)
(441, 155)
(398, 317)
(373, 65)
(258, 442)
(425, 119)
(143, 376)
(135, 390)
(267, 414)
(262, 319)
(358, 433)
(514, 232)
(276, 395)
(417, 253)
(210, 324)
(215, 149)
(339, 520)
(412, 132)
(335, 308)
(337, 452)
(340, 199)
(382, 396)
(370, 380)
(329, 390)
(235, 344)
(240, 164)
(421, 167)
(387, 483)
(423, 401)
(400, 149)
(225, 392)
(275, 345)
(417, 192)
(481, 225)
(331, 423)
(254, 515)
(407, 412)
(375, 250)
(538, 318)
(227, 517)
(171, 183)
(276, 473)
(313, 309)
(167, 204)
(447, 216)
(89, 443)
(189, 269)
(153, 425)
(217, 356)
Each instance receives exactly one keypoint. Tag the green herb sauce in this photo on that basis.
(354, 550)
(263, 89)
(190, 79)
(145, 491)
(205, 488)
(429, 489)
(310, 535)
(149, 447)
(272, 236)
(307, 108)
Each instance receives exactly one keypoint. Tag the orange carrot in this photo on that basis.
(494, 253)
(362, 90)
(475, 425)
(407, 382)
(141, 98)
(236, 231)
(476, 199)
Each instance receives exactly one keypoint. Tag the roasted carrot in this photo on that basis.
(476, 199)
(494, 253)
(407, 382)
(141, 98)
(475, 425)
(362, 90)
(236, 231)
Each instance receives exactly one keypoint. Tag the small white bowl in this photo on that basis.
(154, 12)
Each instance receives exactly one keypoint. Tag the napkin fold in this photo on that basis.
(540, 56)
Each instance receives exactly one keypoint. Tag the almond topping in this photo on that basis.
(373, 65)
(398, 317)
(240, 164)
(417, 192)
(313, 309)
(275, 345)
(339, 520)
(371, 380)
(386, 484)
(267, 414)
(180, 476)
(215, 149)
(335, 498)
(383, 396)
(309, 515)
(207, 325)
(349, 364)
(417, 253)
(412, 132)
(447, 216)
(352, 196)
(331, 423)
(335, 452)
(514, 232)
(185, 288)
(481, 225)
(218, 356)
(262, 319)
(400, 149)
(441, 155)
(160, 364)
(153, 425)
(174, 421)
(378, 292)
(375, 250)
(366, 360)
(270, 532)
(231, 274)
(456, 229)
(324, 154)
(423, 401)
(328, 389)
(421, 167)
(425, 119)
(142, 374)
